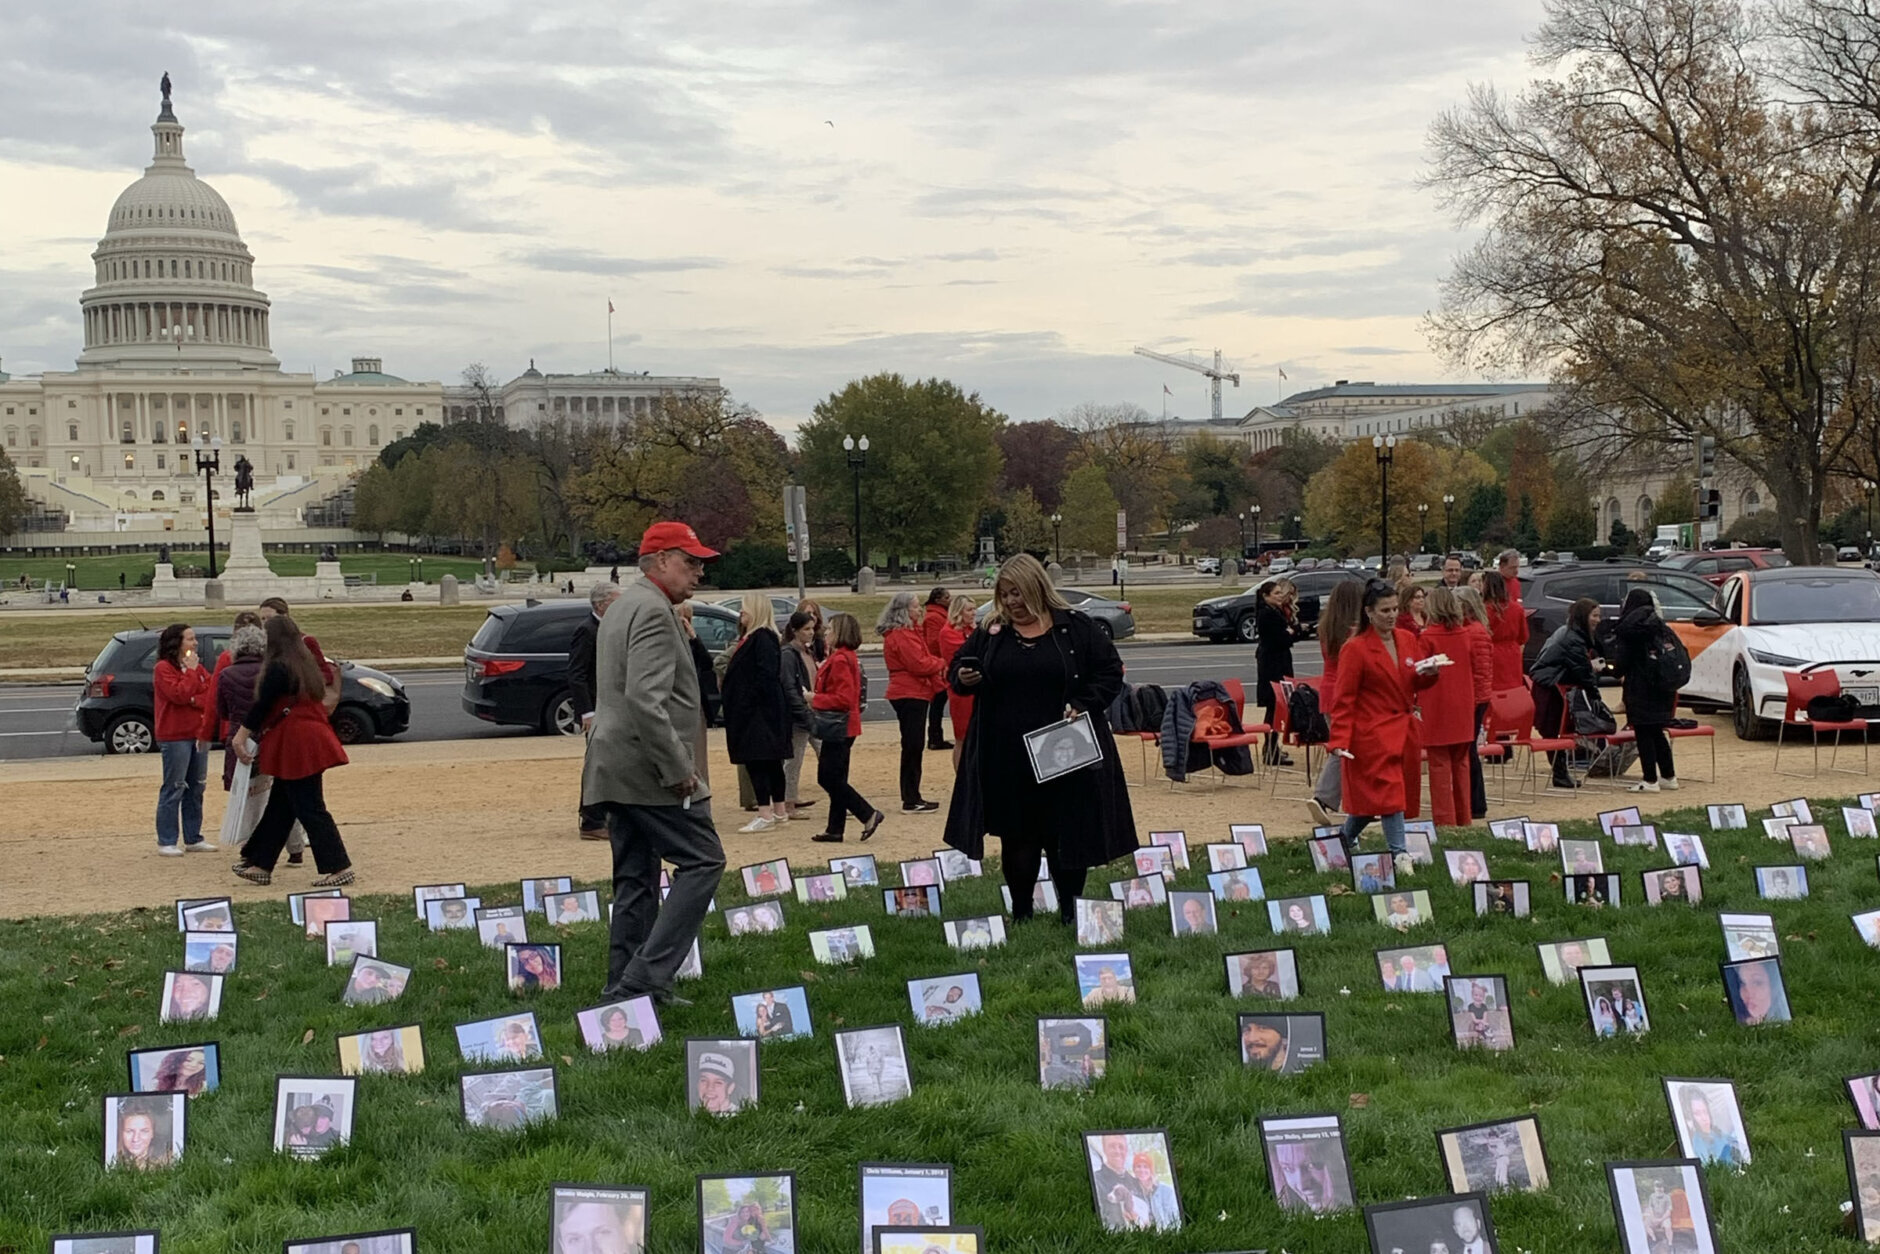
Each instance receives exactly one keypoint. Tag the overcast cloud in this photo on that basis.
(1011, 194)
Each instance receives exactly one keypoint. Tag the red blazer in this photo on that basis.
(180, 698)
(1372, 719)
(839, 687)
(1448, 704)
(914, 670)
(932, 624)
(297, 741)
(1509, 630)
(1406, 621)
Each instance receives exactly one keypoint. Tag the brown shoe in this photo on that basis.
(593, 833)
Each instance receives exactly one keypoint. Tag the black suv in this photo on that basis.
(1548, 592)
(515, 669)
(118, 705)
(1231, 617)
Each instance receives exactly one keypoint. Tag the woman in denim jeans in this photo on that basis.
(181, 685)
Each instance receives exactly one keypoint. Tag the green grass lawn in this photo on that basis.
(101, 573)
(345, 631)
(85, 989)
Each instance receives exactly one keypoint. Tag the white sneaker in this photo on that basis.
(1669, 785)
(202, 846)
(1405, 866)
(169, 851)
(1645, 787)
(1320, 815)
(762, 823)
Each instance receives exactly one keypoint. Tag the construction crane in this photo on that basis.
(1215, 375)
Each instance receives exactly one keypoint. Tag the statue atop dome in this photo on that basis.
(165, 85)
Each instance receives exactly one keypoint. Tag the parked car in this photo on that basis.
(1231, 617)
(1718, 565)
(1114, 618)
(1426, 561)
(1689, 604)
(1848, 553)
(1778, 620)
(1207, 566)
(781, 607)
(516, 666)
(118, 704)
(1279, 565)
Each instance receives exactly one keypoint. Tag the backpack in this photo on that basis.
(1308, 721)
(1151, 702)
(1669, 662)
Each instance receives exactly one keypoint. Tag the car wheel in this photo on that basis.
(1743, 710)
(130, 733)
(353, 725)
(559, 718)
(1247, 629)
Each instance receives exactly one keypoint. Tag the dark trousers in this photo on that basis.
(937, 720)
(766, 781)
(1654, 754)
(1270, 751)
(303, 800)
(1478, 792)
(648, 942)
(1550, 715)
(911, 713)
(832, 776)
(1020, 859)
(592, 817)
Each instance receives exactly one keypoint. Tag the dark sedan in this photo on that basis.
(1231, 617)
(118, 706)
(1548, 592)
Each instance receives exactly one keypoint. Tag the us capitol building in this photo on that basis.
(178, 350)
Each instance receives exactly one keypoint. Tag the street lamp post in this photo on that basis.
(858, 458)
(1449, 518)
(1057, 538)
(209, 467)
(1243, 533)
(1423, 523)
(1385, 446)
(1255, 511)
(1299, 531)
(1868, 485)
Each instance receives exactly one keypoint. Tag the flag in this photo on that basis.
(1165, 390)
(610, 306)
(1282, 369)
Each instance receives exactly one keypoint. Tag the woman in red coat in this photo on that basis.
(960, 623)
(297, 746)
(1449, 707)
(1379, 672)
(1482, 663)
(1508, 628)
(914, 676)
(839, 687)
(1413, 606)
(181, 688)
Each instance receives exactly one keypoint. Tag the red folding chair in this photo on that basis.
(1245, 738)
(1510, 720)
(1804, 686)
(1704, 730)
(1289, 739)
(1623, 736)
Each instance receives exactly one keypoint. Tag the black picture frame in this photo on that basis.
(278, 1129)
(131, 1056)
(1500, 988)
(212, 1009)
(1377, 1220)
(737, 1048)
(884, 1233)
(1732, 997)
(1285, 960)
(1581, 890)
(1694, 1172)
(1796, 873)
(607, 1192)
(510, 957)
(1683, 1133)
(1728, 816)
(178, 1102)
(584, 897)
(1438, 953)
(747, 881)
(929, 907)
(190, 903)
(554, 1093)
(598, 1008)
(789, 1177)
(304, 1244)
(842, 1070)
(1317, 1047)
(502, 914)
(459, 890)
(963, 978)
(1866, 1226)
(880, 1171)
(539, 886)
(1267, 1127)
(1462, 1184)
(1868, 1113)
(1607, 973)
(156, 1238)
(739, 919)
(1691, 876)
(939, 874)
(1091, 1140)
(297, 903)
(1098, 1051)
(1520, 896)
(339, 1055)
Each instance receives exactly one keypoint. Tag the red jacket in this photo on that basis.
(1481, 661)
(1509, 629)
(1448, 704)
(1406, 621)
(180, 698)
(839, 687)
(297, 741)
(1371, 719)
(913, 669)
(931, 625)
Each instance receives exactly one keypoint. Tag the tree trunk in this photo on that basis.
(1798, 512)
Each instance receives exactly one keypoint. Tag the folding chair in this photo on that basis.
(1704, 730)
(1511, 720)
(1804, 686)
(1245, 738)
(1623, 736)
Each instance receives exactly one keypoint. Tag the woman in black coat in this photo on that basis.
(1033, 662)
(1276, 626)
(1639, 640)
(1566, 660)
(757, 717)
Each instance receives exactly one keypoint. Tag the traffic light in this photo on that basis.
(1706, 456)
(1713, 504)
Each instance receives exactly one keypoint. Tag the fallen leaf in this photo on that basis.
(131, 1029)
(262, 995)
(1360, 1100)
(440, 964)
(42, 1042)
(567, 1061)
(307, 1037)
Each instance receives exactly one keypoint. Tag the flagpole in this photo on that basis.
(610, 337)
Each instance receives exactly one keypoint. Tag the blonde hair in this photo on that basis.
(1446, 606)
(1473, 607)
(1025, 575)
(960, 613)
(762, 612)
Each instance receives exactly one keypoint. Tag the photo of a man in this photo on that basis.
(592, 1221)
(1132, 1180)
(724, 1075)
(1305, 1160)
(874, 1066)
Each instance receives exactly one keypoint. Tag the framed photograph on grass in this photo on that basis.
(1177, 845)
(693, 967)
(1480, 1016)
(434, 892)
(189, 996)
(205, 914)
(1132, 1180)
(1104, 978)
(1749, 935)
(144, 1131)
(1402, 909)
(873, 1062)
(1099, 923)
(1413, 968)
(320, 911)
(1457, 1222)
(1643, 835)
(1810, 841)
(508, 1100)
(743, 1214)
(501, 925)
(596, 1219)
(1673, 886)
(1755, 991)
(1072, 1053)
(1858, 822)
(1509, 829)
(1499, 1156)
(139, 1241)
(504, 1039)
(1263, 973)
(1307, 1163)
(1298, 916)
(1627, 816)
(1686, 850)
(1595, 891)
(1782, 883)
(297, 904)
(1191, 914)
(956, 866)
(858, 871)
(1864, 1092)
(1421, 848)
(1283, 1044)
(1249, 836)
(446, 914)
(1867, 927)
(567, 909)
(838, 945)
(1230, 856)
(1732, 817)
(929, 1239)
(774, 1014)
(1044, 898)
(533, 891)
(1710, 1127)
(939, 999)
(982, 932)
(213, 952)
(764, 916)
(1796, 809)
(347, 939)
(816, 889)
(374, 981)
(313, 1114)
(629, 1024)
(1143, 892)
(1372, 872)
(1239, 885)
(721, 1075)
(388, 1241)
(1541, 837)
(1863, 1179)
(1466, 865)
(904, 1195)
(1582, 857)
(532, 968)
(1328, 855)
(188, 1069)
(385, 1051)
(921, 873)
(1661, 1206)
(1508, 898)
(1425, 828)
(1778, 828)
(920, 901)
(1615, 1001)
(772, 879)
(1561, 960)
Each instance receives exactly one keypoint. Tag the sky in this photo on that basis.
(782, 194)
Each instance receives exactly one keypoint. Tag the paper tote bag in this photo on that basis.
(1060, 748)
(232, 833)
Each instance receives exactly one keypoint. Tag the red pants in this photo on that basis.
(1449, 784)
(1413, 771)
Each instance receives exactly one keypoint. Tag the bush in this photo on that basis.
(1756, 530)
(752, 564)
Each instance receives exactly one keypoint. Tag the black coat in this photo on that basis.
(581, 665)
(1566, 659)
(757, 723)
(1648, 703)
(1096, 824)
(1275, 632)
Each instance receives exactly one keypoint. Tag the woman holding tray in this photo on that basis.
(1036, 662)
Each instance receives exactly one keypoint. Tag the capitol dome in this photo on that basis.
(174, 284)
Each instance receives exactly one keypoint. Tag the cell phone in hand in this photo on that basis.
(966, 663)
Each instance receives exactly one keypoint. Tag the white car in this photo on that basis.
(1207, 566)
(1789, 619)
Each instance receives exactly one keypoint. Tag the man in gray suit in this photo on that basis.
(641, 771)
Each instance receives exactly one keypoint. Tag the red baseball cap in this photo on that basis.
(674, 535)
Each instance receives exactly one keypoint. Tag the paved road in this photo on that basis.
(35, 718)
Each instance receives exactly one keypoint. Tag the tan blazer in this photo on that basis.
(647, 716)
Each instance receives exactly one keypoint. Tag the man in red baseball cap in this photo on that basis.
(641, 770)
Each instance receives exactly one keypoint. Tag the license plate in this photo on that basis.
(1866, 694)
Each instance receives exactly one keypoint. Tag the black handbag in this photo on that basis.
(829, 725)
(1590, 716)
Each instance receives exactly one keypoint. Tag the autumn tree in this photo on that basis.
(13, 503)
(1220, 473)
(1089, 511)
(1680, 219)
(1025, 528)
(1345, 500)
(1136, 458)
(1036, 458)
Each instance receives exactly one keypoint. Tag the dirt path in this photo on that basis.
(76, 835)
